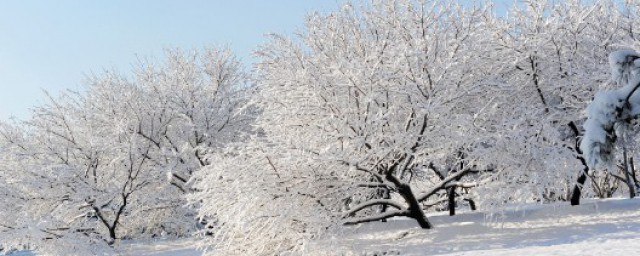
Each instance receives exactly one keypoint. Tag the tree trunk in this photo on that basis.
(451, 194)
(112, 234)
(472, 204)
(415, 211)
(633, 171)
(630, 184)
(386, 195)
(577, 189)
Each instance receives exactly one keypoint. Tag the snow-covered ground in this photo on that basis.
(597, 227)
(603, 227)
(182, 247)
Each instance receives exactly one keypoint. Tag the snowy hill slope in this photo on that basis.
(594, 228)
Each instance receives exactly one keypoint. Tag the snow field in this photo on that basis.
(603, 227)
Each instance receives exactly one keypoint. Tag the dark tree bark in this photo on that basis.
(113, 226)
(415, 210)
(633, 171)
(451, 194)
(384, 194)
(472, 204)
(577, 189)
(627, 174)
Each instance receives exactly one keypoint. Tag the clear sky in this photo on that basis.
(52, 45)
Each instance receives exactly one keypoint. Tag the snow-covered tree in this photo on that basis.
(365, 117)
(548, 58)
(610, 116)
(112, 162)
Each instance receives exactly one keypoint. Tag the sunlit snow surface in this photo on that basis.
(180, 247)
(183, 247)
(597, 227)
(594, 228)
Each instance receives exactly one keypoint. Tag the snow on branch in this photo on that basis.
(611, 111)
(377, 217)
(441, 185)
(374, 202)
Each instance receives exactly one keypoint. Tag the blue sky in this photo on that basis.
(52, 45)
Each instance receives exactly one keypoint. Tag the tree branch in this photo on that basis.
(379, 177)
(437, 202)
(441, 185)
(462, 184)
(377, 217)
(373, 202)
(375, 185)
